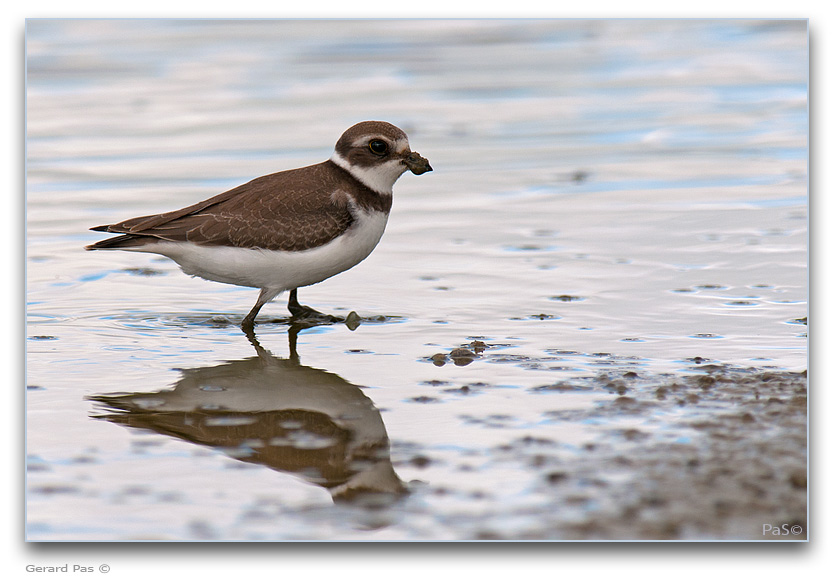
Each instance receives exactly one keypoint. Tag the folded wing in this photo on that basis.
(283, 211)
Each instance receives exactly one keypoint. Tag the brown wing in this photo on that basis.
(291, 211)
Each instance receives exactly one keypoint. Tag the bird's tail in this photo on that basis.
(122, 242)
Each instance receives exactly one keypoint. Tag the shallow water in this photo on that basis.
(615, 230)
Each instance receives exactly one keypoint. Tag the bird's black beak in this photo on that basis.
(417, 163)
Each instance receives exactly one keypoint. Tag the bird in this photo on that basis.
(285, 230)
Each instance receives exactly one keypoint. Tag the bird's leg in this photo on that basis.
(265, 296)
(248, 323)
(300, 311)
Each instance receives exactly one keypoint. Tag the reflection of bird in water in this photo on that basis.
(278, 413)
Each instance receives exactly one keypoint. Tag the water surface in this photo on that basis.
(615, 231)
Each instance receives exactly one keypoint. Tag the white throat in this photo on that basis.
(380, 178)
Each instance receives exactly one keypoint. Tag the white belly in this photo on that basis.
(276, 270)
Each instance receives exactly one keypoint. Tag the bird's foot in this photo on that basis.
(248, 325)
(305, 314)
(301, 313)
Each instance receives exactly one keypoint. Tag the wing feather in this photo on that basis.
(291, 211)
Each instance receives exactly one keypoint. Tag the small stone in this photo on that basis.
(353, 320)
(462, 352)
(478, 346)
(462, 356)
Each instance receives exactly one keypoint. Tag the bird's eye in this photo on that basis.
(378, 147)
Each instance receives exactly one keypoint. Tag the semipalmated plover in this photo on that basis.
(288, 229)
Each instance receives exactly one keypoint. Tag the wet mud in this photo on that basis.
(727, 462)
(719, 453)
